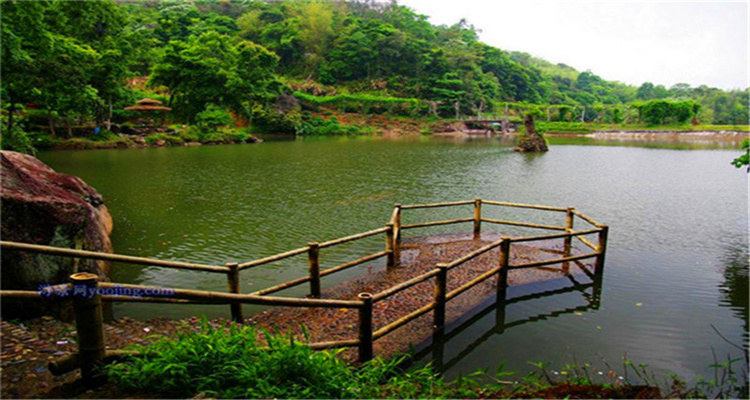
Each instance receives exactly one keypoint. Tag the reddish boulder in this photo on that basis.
(41, 206)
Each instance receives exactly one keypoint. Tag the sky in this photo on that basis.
(632, 42)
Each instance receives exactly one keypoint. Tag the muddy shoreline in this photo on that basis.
(624, 135)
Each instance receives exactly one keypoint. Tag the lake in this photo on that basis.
(676, 264)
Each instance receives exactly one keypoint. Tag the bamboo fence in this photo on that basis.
(88, 309)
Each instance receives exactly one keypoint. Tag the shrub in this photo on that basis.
(234, 364)
(363, 103)
(270, 120)
(172, 140)
(318, 126)
(744, 159)
(662, 112)
(212, 117)
(16, 139)
(42, 140)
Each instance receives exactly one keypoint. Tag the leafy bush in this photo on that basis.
(171, 140)
(744, 159)
(318, 126)
(234, 364)
(190, 135)
(269, 120)
(212, 117)
(662, 112)
(103, 136)
(16, 139)
(240, 362)
(362, 103)
(43, 140)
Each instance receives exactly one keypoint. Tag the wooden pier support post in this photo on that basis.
(502, 276)
(603, 233)
(233, 279)
(477, 216)
(365, 328)
(313, 265)
(397, 226)
(87, 305)
(568, 240)
(390, 245)
(441, 288)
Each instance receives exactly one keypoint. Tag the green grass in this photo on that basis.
(588, 127)
(317, 126)
(241, 362)
(234, 363)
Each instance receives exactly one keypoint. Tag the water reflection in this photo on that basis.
(590, 293)
(734, 289)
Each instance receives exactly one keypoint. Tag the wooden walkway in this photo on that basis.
(376, 307)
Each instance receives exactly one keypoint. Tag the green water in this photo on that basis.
(676, 264)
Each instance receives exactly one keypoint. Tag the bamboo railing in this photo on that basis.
(88, 308)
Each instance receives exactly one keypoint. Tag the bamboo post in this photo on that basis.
(313, 264)
(87, 305)
(365, 328)
(596, 292)
(603, 233)
(477, 216)
(438, 349)
(441, 288)
(500, 316)
(397, 226)
(568, 240)
(233, 279)
(502, 277)
(390, 245)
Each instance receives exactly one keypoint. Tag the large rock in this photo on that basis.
(531, 141)
(41, 206)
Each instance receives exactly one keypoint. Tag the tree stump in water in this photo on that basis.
(531, 141)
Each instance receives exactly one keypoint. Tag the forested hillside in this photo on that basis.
(71, 63)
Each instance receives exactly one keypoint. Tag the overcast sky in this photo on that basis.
(632, 42)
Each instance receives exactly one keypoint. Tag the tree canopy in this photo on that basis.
(75, 61)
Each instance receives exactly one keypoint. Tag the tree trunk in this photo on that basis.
(51, 121)
(10, 119)
(583, 115)
(69, 125)
(109, 115)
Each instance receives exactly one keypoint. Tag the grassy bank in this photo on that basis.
(177, 136)
(326, 121)
(591, 127)
(241, 362)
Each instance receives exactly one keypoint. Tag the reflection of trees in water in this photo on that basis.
(735, 286)
(734, 291)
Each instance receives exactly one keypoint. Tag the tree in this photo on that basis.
(210, 69)
(661, 112)
(24, 36)
(196, 72)
(744, 159)
(680, 91)
(315, 20)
